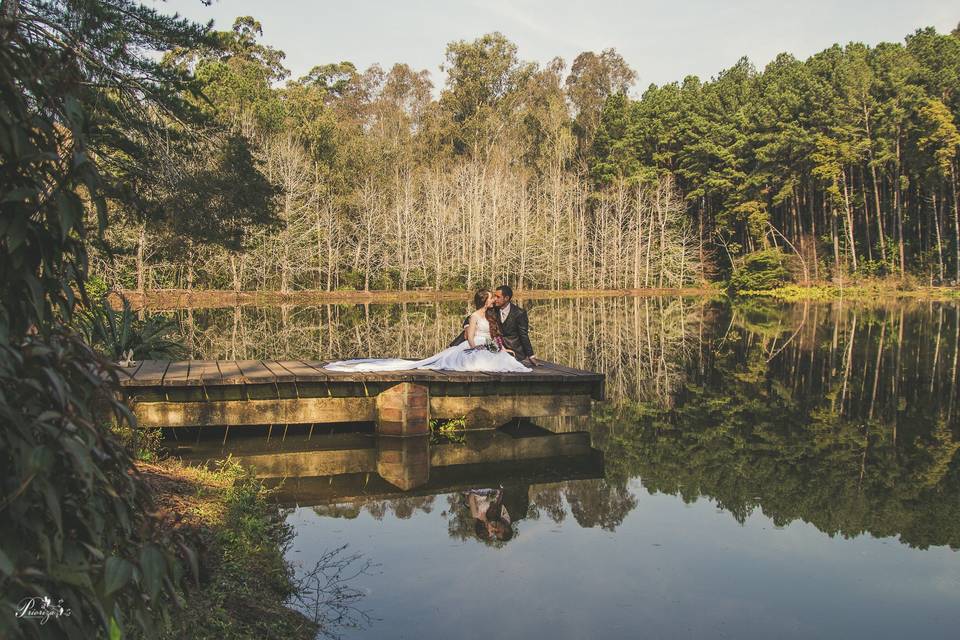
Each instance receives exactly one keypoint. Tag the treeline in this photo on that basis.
(848, 158)
(377, 185)
(549, 177)
(441, 229)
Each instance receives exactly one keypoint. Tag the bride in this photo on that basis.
(482, 350)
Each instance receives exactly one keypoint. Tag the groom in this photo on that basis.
(514, 327)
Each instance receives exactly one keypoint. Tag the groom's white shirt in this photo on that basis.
(505, 311)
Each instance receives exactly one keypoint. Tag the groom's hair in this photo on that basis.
(505, 290)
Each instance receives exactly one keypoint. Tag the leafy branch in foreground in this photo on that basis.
(75, 521)
(77, 89)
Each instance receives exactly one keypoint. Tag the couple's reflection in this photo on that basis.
(491, 518)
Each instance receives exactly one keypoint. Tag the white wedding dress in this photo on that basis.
(458, 358)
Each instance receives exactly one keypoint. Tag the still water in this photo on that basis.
(758, 470)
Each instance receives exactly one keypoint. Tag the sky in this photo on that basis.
(662, 40)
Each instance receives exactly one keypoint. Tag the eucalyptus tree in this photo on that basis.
(484, 78)
(236, 74)
(594, 78)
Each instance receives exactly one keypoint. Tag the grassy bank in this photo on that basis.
(164, 299)
(241, 539)
(167, 299)
(868, 290)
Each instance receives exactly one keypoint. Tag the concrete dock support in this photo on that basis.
(404, 410)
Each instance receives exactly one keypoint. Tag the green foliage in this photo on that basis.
(449, 430)
(145, 444)
(248, 529)
(77, 524)
(237, 74)
(939, 134)
(218, 196)
(760, 271)
(483, 81)
(872, 268)
(119, 335)
(249, 577)
(796, 293)
(593, 78)
(82, 107)
(97, 288)
(856, 140)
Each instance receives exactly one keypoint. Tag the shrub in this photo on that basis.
(117, 334)
(872, 268)
(760, 271)
(77, 521)
(450, 430)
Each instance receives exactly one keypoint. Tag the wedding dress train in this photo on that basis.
(458, 358)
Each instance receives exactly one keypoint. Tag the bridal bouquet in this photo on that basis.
(491, 345)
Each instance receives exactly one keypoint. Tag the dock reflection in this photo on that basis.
(315, 469)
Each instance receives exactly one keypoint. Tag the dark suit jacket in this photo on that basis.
(462, 336)
(515, 331)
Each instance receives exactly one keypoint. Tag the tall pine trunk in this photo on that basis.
(876, 189)
(866, 215)
(849, 212)
(898, 207)
(936, 225)
(956, 216)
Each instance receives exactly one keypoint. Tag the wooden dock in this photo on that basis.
(192, 393)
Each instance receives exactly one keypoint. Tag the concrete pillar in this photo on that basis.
(404, 410)
(404, 462)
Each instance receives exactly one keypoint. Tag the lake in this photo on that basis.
(758, 470)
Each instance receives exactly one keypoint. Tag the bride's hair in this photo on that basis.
(491, 316)
(480, 298)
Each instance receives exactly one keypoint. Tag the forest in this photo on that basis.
(549, 176)
(143, 151)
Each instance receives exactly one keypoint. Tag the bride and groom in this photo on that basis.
(495, 338)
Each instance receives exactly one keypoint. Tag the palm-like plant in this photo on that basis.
(120, 335)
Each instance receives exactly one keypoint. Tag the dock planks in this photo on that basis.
(188, 373)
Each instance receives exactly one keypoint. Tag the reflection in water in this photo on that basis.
(640, 343)
(362, 467)
(328, 593)
(837, 414)
(843, 418)
(492, 521)
(778, 419)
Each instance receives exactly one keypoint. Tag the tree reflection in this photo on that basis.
(327, 595)
(850, 427)
(598, 503)
(402, 507)
(844, 416)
